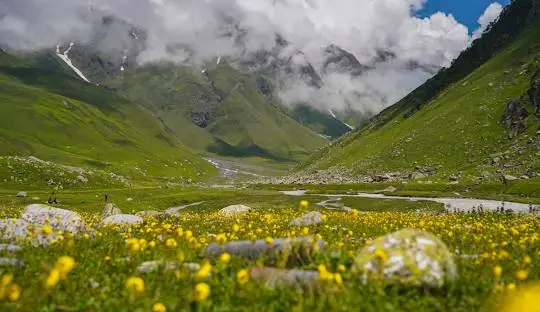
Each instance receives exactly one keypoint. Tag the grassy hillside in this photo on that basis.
(55, 117)
(221, 113)
(459, 131)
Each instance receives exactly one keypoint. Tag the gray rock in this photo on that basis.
(110, 210)
(22, 194)
(10, 247)
(389, 189)
(152, 266)
(453, 178)
(297, 250)
(508, 178)
(11, 262)
(92, 283)
(272, 277)
(148, 214)
(58, 219)
(310, 218)
(122, 219)
(416, 176)
(17, 230)
(380, 177)
(156, 265)
(409, 257)
(235, 209)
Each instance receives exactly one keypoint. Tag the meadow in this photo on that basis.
(100, 270)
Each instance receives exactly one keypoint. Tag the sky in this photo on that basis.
(421, 35)
(465, 11)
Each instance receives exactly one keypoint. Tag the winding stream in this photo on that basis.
(451, 204)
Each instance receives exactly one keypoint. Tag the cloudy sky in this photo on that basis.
(426, 32)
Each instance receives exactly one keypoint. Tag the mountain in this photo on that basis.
(220, 112)
(59, 118)
(477, 120)
(216, 111)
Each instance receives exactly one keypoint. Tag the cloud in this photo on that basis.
(491, 14)
(199, 30)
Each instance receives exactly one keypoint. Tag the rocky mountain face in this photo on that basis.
(476, 121)
(341, 61)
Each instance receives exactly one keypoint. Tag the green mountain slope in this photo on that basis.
(477, 119)
(218, 113)
(57, 118)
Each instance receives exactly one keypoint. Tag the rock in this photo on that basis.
(389, 189)
(148, 214)
(524, 177)
(273, 277)
(416, 176)
(11, 262)
(156, 265)
(410, 257)
(508, 178)
(515, 114)
(235, 209)
(122, 219)
(58, 219)
(10, 247)
(152, 266)
(310, 218)
(92, 283)
(380, 177)
(297, 250)
(22, 194)
(17, 230)
(110, 210)
(36, 198)
(453, 178)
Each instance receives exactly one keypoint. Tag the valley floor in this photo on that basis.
(164, 263)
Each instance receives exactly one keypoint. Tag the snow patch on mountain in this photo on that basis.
(335, 117)
(65, 57)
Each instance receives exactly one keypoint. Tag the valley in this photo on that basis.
(275, 176)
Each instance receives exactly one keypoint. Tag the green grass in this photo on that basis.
(344, 232)
(61, 119)
(244, 124)
(457, 130)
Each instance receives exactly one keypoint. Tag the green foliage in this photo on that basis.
(235, 119)
(58, 118)
(457, 129)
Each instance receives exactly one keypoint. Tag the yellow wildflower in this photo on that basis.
(47, 230)
(13, 292)
(224, 258)
(171, 243)
(201, 292)
(159, 307)
(204, 271)
(52, 279)
(304, 204)
(133, 245)
(269, 240)
(6, 280)
(381, 255)
(522, 275)
(338, 279)
(64, 265)
(242, 277)
(135, 285)
(497, 271)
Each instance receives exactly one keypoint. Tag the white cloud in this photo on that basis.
(491, 14)
(363, 28)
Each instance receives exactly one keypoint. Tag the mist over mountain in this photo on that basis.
(360, 55)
